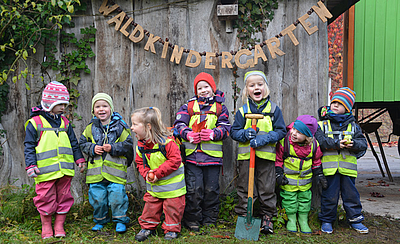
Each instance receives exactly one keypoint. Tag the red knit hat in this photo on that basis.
(204, 77)
(54, 93)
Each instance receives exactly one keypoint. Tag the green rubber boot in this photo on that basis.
(303, 222)
(291, 224)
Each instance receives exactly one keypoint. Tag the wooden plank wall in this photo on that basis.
(136, 78)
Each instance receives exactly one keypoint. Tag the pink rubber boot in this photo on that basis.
(47, 230)
(59, 225)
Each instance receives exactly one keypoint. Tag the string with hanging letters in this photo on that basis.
(122, 22)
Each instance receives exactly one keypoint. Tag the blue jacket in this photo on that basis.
(117, 125)
(278, 124)
(31, 136)
(326, 143)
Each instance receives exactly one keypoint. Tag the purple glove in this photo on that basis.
(206, 134)
(194, 137)
(33, 171)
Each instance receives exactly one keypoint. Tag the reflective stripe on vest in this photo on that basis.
(112, 168)
(212, 148)
(265, 126)
(54, 153)
(298, 171)
(343, 161)
(170, 186)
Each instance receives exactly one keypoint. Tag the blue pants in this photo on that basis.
(202, 197)
(104, 195)
(345, 185)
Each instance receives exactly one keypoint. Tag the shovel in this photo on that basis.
(249, 227)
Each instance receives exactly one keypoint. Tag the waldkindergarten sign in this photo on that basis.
(193, 58)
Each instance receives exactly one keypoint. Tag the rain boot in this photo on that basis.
(303, 222)
(47, 230)
(291, 224)
(59, 225)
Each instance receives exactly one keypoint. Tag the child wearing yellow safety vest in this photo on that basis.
(298, 161)
(202, 123)
(51, 149)
(342, 143)
(159, 161)
(270, 130)
(108, 143)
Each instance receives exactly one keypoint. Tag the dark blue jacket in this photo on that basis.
(31, 136)
(278, 124)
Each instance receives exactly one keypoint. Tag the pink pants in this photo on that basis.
(173, 209)
(54, 196)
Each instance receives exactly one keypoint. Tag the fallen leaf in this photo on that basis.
(372, 200)
(221, 236)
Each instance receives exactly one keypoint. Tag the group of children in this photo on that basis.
(182, 181)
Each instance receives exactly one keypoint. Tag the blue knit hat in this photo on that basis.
(346, 97)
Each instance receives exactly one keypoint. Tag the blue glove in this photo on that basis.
(259, 141)
(250, 133)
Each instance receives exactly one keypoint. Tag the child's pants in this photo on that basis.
(264, 186)
(54, 196)
(202, 197)
(104, 195)
(345, 185)
(173, 209)
(296, 201)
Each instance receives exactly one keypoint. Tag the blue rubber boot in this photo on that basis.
(97, 227)
(121, 228)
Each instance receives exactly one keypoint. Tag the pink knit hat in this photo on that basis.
(54, 93)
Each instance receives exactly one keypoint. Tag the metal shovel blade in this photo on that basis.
(249, 230)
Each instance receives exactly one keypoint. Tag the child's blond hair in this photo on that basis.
(158, 132)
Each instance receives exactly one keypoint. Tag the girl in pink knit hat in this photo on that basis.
(51, 149)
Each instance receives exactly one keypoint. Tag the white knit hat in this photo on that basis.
(54, 93)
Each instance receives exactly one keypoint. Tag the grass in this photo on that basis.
(23, 226)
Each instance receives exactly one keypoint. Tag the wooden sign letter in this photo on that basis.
(208, 61)
(117, 19)
(139, 38)
(273, 49)
(123, 28)
(176, 55)
(105, 10)
(164, 50)
(189, 58)
(306, 25)
(150, 43)
(259, 53)
(249, 62)
(289, 31)
(322, 11)
(226, 60)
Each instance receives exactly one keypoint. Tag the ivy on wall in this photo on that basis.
(26, 24)
(254, 16)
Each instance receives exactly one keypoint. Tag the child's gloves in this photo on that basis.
(32, 171)
(206, 134)
(280, 177)
(83, 166)
(250, 133)
(320, 177)
(194, 137)
(259, 141)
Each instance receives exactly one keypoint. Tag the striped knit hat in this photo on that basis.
(345, 96)
(54, 93)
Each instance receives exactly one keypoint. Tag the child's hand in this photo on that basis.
(194, 137)
(250, 134)
(107, 148)
(82, 166)
(346, 143)
(151, 177)
(206, 134)
(98, 150)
